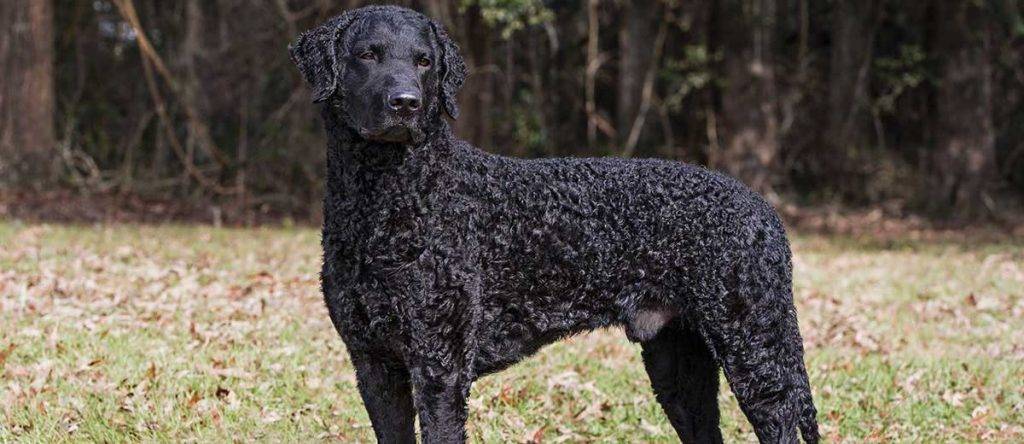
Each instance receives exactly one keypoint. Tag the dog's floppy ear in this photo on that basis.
(452, 69)
(314, 52)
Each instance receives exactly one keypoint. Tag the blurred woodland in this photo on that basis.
(910, 106)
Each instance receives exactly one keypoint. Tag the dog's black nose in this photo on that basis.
(405, 101)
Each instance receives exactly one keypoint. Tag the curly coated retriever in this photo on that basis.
(443, 263)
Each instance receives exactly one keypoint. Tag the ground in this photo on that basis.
(192, 333)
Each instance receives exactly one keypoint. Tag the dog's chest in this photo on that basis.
(369, 236)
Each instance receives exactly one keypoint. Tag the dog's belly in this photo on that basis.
(513, 328)
(516, 326)
(527, 307)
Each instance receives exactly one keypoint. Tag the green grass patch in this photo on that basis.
(191, 333)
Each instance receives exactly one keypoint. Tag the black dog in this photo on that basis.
(443, 263)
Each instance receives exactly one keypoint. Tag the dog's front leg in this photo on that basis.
(439, 304)
(441, 356)
(441, 404)
(387, 394)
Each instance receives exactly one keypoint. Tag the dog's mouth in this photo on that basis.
(400, 133)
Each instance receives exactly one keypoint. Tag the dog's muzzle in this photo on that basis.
(400, 133)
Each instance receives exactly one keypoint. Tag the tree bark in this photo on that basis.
(593, 48)
(964, 152)
(475, 122)
(853, 37)
(636, 50)
(27, 140)
(749, 112)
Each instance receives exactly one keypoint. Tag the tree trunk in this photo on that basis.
(964, 153)
(749, 112)
(849, 120)
(853, 37)
(475, 122)
(590, 71)
(27, 140)
(636, 49)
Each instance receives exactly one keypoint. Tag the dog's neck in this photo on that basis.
(345, 144)
(359, 169)
(349, 152)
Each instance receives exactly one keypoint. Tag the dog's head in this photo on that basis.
(388, 71)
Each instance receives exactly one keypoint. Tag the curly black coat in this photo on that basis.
(443, 263)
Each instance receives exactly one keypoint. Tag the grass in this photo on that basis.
(196, 334)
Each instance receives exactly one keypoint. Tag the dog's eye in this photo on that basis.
(367, 55)
(423, 61)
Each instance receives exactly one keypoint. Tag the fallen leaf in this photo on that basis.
(955, 399)
(222, 392)
(269, 416)
(649, 428)
(5, 353)
(536, 436)
(979, 416)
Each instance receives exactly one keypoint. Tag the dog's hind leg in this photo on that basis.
(761, 354)
(684, 377)
(387, 394)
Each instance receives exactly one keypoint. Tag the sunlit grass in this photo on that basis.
(189, 333)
